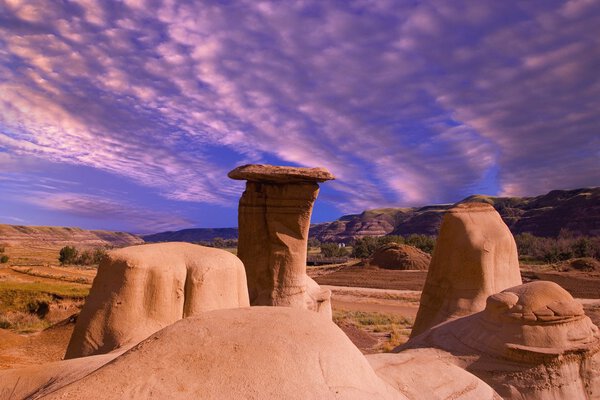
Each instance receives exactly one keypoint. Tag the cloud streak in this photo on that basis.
(406, 104)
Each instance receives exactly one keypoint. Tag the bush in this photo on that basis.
(553, 250)
(333, 250)
(98, 256)
(85, 258)
(314, 242)
(3, 259)
(422, 242)
(218, 242)
(68, 255)
(366, 246)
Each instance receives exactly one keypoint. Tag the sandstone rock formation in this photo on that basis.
(576, 211)
(400, 256)
(247, 353)
(141, 289)
(274, 218)
(424, 374)
(475, 256)
(34, 382)
(532, 341)
(223, 354)
(17, 235)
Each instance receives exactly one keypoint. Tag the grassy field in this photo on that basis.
(393, 330)
(25, 306)
(30, 254)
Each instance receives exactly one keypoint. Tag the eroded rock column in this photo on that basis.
(274, 218)
(475, 256)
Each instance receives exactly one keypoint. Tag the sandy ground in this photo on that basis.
(354, 288)
(33, 349)
(397, 302)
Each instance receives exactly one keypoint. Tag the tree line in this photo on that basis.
(72, 255)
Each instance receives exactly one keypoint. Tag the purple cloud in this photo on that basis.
(406, 104)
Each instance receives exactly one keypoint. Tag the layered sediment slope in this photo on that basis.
(17, 234)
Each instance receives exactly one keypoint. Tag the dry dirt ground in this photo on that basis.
(371, 289)
(21, 349)
(375, 307)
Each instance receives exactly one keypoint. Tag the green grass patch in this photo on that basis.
(33, 297)
(23, 305)
(396, 329)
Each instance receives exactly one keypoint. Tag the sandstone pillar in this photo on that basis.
(274, 218)
(475, 256)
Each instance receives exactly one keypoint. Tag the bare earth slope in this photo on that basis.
(575, 210)
(17, 234)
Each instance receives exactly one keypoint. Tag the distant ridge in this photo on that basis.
(18, 234)
(192, 235)
(575, 210)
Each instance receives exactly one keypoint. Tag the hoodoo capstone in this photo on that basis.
(141, 289)
(475, 256)
(274, 218)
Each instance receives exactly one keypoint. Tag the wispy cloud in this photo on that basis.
(101, 208)
(406, 104)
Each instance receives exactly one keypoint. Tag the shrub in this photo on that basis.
(422, 242)
(85, 258)
(333, 250)
(3, 259)
(68, 255)
(552, 250)
(314, 242)
(366, 246)
(98, 256)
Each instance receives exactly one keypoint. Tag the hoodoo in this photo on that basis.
(475, 256)
(142, 289)
(273, 219)
(532, 341)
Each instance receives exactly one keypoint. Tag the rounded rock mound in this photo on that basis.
(531, 341)
(246, 353)
(141, 289)
(400, 256)
(587, 264)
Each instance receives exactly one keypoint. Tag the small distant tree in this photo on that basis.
(84, 258)
(583, 247)
(365, 247)
(68, 255)
(230, 242)
(314, 242)
(422, 242)
(218, 242)
(333, 250)
(98, 256)
(3, 259)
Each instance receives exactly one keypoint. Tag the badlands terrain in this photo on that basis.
(374, 306)
(489, 326)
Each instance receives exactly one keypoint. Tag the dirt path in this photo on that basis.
(398, 302)
(585, 285)
(373, 277)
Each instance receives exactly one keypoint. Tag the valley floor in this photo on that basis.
(374, 307)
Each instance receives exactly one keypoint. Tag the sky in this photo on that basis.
(127, 115)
